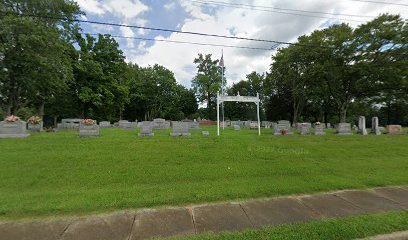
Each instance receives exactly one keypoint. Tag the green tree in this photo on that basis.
(34, 51)
(207, 81)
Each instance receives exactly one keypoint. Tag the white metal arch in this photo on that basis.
(238, 98)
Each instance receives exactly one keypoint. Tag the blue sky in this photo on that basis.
(193, 15)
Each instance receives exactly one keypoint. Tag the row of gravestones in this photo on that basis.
(146, 129)
(264, 124)
(283, 127)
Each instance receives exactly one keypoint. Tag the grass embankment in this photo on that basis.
(60, 174)
(333, 229)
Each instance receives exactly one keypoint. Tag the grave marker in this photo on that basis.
(362, 125)
(282, 128)
(319, 129)
(105, 124)
(180, 129)
(88, 129)
(394, 129)
(305, 128)
(13, 129)
(344, 129)
(374, 126)
(146, 129)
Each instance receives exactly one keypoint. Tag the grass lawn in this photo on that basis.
(334, 229)
(58, 174)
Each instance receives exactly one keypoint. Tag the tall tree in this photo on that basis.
(34, 51)
(207, 81)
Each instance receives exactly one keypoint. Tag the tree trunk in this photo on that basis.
(326, 116)
(41, 110)
(55, 120)
(208, 106)
(343, 113)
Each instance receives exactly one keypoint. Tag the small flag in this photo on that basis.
(221, 63)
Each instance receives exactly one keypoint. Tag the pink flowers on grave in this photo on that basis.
(283, 131)
(34, 120)
(12, 118)
(88, 121)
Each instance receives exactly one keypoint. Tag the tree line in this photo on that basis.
(332, 75)
(50, 68)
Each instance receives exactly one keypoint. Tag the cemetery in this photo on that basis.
(109, 132)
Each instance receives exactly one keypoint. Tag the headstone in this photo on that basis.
(146, 129)
(128, 125)
(328, 125)
(195, 126)
(69, 123)
(180, 129)
(344, 129)
(237, 127)
(253, 125)
(205, 133)
(319, 129)
(283, 128)
(374, 126)
(394, 129)
(362, 125)
(35, 127)
(105, 124)
(305, 128)
(160, 123)
(35, 124)
(17, 129)
(266, 124)
(274, 125)
(88, 130)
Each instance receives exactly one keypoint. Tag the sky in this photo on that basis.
(258, 19)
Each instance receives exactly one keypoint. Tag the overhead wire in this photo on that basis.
(162, 29)
(280, 10)
(186, 42)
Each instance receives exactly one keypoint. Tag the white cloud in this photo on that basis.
(170, 6)
(127, 32)
(91, 6)
(125, 8)
(244, 23)
(122, 8)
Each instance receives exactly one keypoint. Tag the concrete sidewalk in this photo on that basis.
(218, 217)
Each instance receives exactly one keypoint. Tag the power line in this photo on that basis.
(377, 2)
(186, 42)
(265, 8)
(161, 29)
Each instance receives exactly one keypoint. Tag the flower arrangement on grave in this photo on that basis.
(88, 121)
(34, 120)
(12, 118)
(317, 123)
(283, 131)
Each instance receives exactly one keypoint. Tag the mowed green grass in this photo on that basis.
(333, 229)
(59, 174)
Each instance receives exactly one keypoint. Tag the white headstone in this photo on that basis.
(362, 125)
(374, 126)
